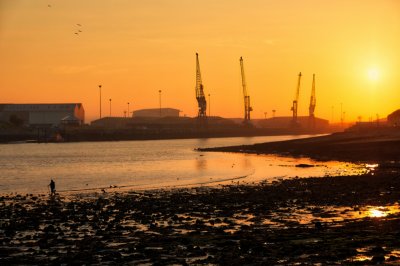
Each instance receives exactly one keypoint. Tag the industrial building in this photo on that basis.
(156, 112)
(304, 122)
(43, 114)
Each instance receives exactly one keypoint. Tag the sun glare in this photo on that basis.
(373, 74)
(377, 213)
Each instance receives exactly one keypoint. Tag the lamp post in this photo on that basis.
(159, 98)
(209, 105)
(128, 109)
(100, 99)
(341, 114)
(110, 107)
(265, 115)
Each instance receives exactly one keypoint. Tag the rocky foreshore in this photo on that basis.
(352, 220)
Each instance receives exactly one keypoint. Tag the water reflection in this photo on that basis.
(326, 214)
(377, 213)
(246, 163)
(26, 168)
(371, 166)
(201, 163)
(367, 254)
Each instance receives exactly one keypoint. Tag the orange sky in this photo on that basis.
(135, 48)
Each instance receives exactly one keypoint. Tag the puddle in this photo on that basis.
(328, 214)
(367, 254)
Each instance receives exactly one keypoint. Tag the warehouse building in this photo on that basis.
(43, 114)
(156, 112)
(286, 122)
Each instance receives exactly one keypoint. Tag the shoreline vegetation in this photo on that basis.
(351, 220)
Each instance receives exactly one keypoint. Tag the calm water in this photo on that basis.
(27, 168)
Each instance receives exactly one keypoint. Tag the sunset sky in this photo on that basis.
(135, 48)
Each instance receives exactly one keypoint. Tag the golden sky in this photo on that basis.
(135, 48)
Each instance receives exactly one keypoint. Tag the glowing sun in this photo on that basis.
(373, 74)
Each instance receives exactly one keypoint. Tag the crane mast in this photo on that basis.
(201, 99)
(313, 102)
(247, 107)
(295, 102)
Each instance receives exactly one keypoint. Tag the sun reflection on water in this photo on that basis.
(379, 211)
(372, 165)
(375, 212)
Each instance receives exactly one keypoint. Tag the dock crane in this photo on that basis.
(313, 102)
(247, 107)
(201, 99)
(295, 103)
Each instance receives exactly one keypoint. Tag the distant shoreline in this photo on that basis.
(373, 146)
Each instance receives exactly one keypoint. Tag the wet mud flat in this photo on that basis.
(351, 220)
(375, 145)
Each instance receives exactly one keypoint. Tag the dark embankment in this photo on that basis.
(368, 146)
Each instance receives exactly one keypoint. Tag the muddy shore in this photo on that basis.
(375, 145)
(343, 220)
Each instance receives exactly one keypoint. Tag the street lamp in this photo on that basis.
(100, 99)
(341, 114)
(128, 109)
(110, 107)
(159, 95)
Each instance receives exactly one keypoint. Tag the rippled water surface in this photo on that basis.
(28, 168)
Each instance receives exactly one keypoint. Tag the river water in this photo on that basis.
(86, 166)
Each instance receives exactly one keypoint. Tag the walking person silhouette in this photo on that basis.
(52, 186)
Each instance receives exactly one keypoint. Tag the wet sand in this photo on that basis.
(351, 220)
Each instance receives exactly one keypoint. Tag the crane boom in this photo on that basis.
(247, 107)
(201, 99)
(295, 102)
